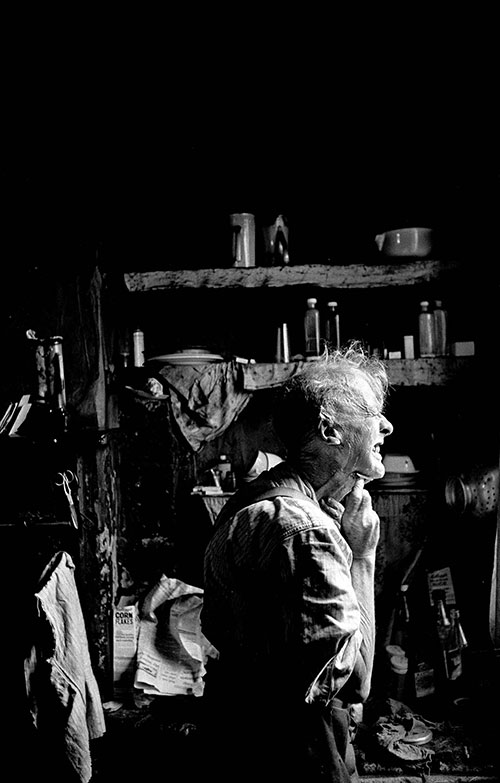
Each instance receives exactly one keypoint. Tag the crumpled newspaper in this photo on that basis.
(172, 650)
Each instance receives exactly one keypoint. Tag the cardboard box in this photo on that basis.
(409, 347)
(125, 636)
(463, 348)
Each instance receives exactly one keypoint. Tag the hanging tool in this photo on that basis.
(67, 477)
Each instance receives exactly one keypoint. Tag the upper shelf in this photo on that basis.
(320, 275)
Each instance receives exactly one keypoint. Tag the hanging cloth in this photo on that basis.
(59, 671)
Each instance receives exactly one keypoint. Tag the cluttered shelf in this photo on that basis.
(414, 272)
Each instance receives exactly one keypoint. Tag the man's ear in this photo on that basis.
(330, 433)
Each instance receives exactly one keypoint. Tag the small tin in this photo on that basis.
(419, 734)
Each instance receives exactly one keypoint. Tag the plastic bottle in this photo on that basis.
(332, 326)
(312, 329)
(440, 332)
(426, 331)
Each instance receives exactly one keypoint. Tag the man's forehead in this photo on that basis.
(365, 387)
(369, 396)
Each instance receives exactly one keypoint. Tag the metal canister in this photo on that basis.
(474, 492)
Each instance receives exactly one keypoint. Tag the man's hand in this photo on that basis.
(359, 523)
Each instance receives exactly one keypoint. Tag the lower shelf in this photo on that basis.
(434, 371)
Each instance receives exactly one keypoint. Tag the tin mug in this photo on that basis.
(243, 239)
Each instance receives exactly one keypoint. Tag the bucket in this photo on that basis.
(475, 492)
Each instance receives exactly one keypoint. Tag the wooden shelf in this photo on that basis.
(347, 276)
(435, 371)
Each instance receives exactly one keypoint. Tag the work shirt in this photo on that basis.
(279, 604)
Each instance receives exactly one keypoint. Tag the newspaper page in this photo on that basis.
(172, 650)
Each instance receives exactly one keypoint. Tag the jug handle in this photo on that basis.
(237, 244)
(379, 239)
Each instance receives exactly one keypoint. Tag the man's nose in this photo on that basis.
(385, 426)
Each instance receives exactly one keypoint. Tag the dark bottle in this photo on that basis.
(442, 625)
(59, 424)
(424, 680)
(55, 372)
(399, 649)
(454, 648)
(401, 628)
(59, 416)
(423, 668)
(457, 643)
(230, 482)
(424, 674)
(224, 469)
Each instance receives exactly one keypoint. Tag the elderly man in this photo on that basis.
(289, 584)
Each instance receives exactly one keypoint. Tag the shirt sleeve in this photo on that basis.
(319, 560)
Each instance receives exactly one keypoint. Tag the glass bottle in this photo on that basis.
(426, 331)
(440, 331)
(225, 472)
(442, 625)
(460, 631)
(223, 465)
(460, 685)
(424, 678)
(332, 326)
(312, 329)
(59, 417)
(456, 643)
(138, 343)
(398, 650)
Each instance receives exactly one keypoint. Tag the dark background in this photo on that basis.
(143, 167)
